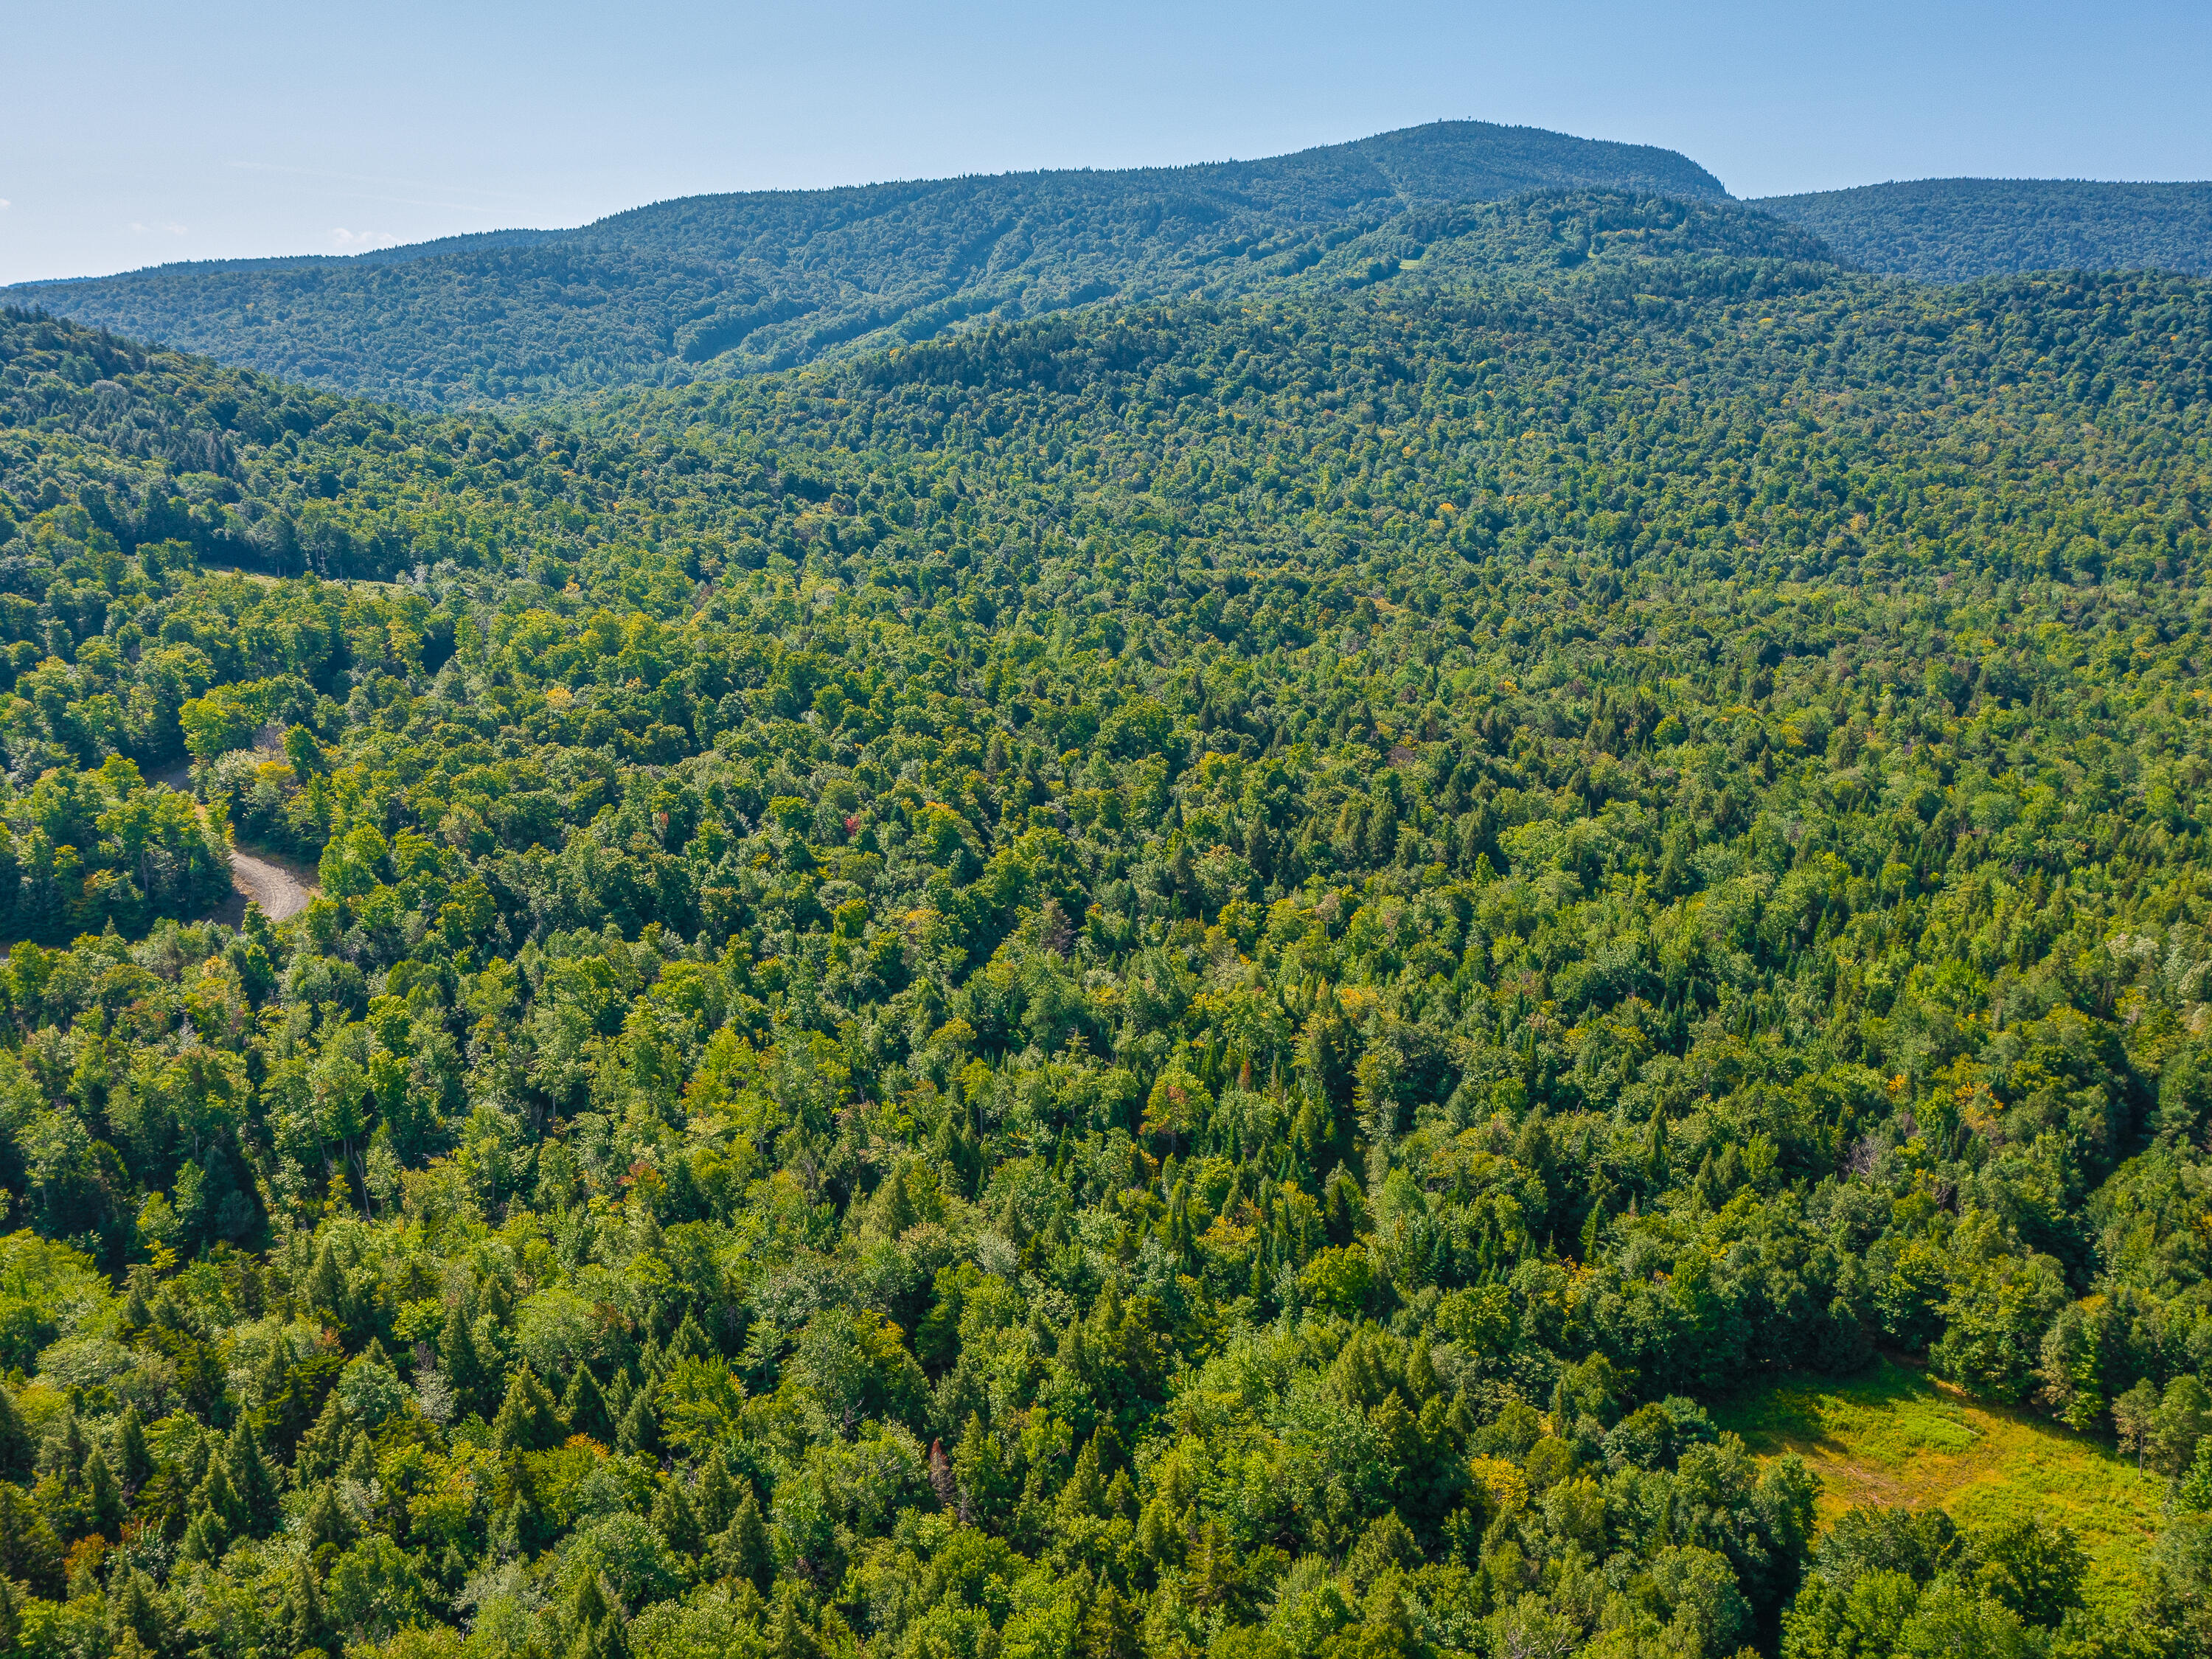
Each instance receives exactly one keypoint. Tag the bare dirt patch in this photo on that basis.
(281, 886)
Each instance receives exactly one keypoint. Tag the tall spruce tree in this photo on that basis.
(253, 1482)
(585, 1408)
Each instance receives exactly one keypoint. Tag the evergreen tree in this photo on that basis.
(789, 1635)
(63, 1451)
(327, 1294)
(326, 1525)
(133, 1462)
(30, 1552)
(585, 1408)
(272, 1382)
(526, 1419)
(134, 1605)
(136, 1313)
(674, 1519)
(359, 1464)
(639, 1431)
(988, 1486)
(373, 1354)
(216, 1502)
(199, 1453)
(1122, 1496)
(517, 1529)
(1109, 1625)
(302, 1616)
(716, 1503)
(104, 1502)
(460, 1357)
(322, 1449)
(202, 1542)
(689, 1341)
(252, 1480)
(1084, 1494)
(595, 1626)
(744, 1551)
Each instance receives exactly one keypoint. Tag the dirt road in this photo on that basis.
(281, 886)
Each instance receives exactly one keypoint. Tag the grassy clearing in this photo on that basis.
(269, 579)
(1894, 1435)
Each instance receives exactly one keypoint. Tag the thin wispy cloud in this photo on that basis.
(446, 185)
(158, 230)
(419, 201)
(359, 241)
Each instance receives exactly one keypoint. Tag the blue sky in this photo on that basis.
(133, 134)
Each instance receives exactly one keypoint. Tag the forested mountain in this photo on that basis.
(1173, 979)
(716, 286)
(1949, 230)
(773, 278)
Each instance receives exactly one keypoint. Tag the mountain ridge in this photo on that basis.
(646, 296)
(737, 284)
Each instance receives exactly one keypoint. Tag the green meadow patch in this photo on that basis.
(1896, 1435)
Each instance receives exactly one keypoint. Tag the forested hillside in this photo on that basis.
(1183, 980)
(763, 280)
(1950, 230)
(713, 287)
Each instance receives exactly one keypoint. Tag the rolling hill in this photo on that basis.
(771, 279)
(1950, 230)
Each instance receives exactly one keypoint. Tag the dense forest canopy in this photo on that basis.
(1950, 230)
(1183, 979)
(737, 285)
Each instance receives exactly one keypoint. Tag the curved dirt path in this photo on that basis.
(281, 886)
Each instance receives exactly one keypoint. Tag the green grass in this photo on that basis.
(1893, 1435)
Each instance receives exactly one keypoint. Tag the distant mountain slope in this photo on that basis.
(185, 270)
(1950, 230)
(766, 280)
(1555, 232)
